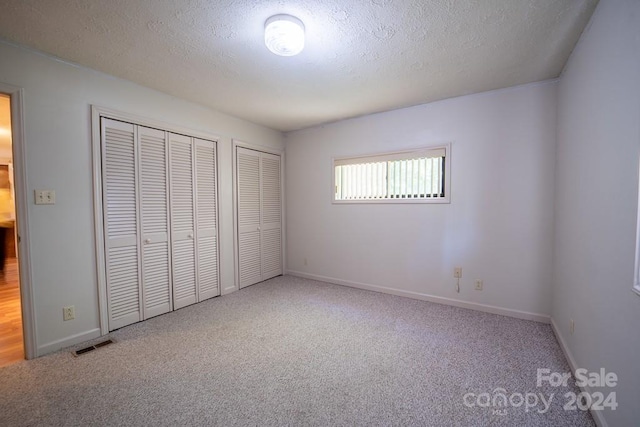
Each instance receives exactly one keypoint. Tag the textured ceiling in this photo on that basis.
(360, 56)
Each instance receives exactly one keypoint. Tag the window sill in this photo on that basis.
(392, 202)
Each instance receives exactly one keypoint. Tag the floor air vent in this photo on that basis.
(92, 347)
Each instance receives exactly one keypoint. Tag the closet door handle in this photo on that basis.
(147, 241)
(190, 236)
(258, 228)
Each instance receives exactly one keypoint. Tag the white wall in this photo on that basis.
(498, 226)
(58, 156)
(597, 199)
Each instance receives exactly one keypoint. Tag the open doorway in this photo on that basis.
(11, 339)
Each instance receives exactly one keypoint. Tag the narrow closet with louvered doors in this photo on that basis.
(259, 210)
(160, 221)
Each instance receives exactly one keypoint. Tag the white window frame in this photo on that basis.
(391, 154)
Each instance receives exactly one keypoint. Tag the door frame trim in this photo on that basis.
(269, 150)
(97, 113)
(18, 142)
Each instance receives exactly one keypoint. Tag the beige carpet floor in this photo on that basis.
(291, 351)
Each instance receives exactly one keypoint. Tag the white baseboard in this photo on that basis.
(68, 341)
(543, 318)
(598, 416)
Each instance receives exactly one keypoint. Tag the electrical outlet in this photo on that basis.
(572, 326)
(457, 273)
(68, 313)
(479, 285)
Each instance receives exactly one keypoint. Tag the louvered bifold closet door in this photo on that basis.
(183, 251)
(121, 223)
(248, 185)
(156, 275)
(207, 219)
(271, 216)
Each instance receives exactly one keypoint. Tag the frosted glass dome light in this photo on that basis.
(284, 35)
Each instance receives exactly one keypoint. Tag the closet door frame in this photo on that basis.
(98, 112)
(269, 150)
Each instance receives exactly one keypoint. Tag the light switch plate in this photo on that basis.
(45, 197)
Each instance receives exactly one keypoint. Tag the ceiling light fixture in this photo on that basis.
(284, 35)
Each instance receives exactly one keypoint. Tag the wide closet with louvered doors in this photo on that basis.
(259, 209)
(160, 221)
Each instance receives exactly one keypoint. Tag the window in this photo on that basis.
(417, 176)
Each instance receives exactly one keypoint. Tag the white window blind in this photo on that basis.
(418, 175)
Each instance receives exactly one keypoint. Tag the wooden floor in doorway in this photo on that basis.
(11, 343)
